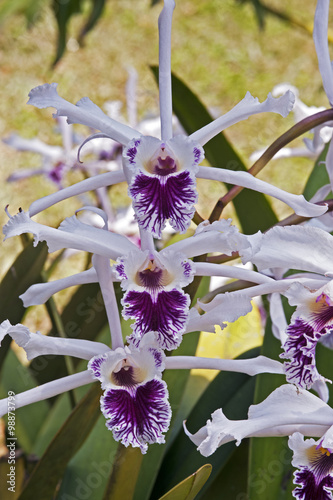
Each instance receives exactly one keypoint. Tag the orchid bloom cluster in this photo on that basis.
(161, 175)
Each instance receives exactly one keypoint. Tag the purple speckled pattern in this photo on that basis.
(131, 152)
(166, 314)
(120, 270)
(300, 348)
(95, 365)
(188, 269)
(313, 484)
(161, 198)
(139, 416)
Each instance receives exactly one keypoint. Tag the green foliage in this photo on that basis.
(65, 444)
(189, 487)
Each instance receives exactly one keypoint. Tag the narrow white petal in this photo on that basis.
(286, 410)
(84, 112)
(292, 247)
(246, 107)
(101, 180)
(208, 269)
(297, 202)
(36, 344)
(34, 145)
(41, 292)
(71, 234)
(278, 317)
(320, 30)
(252, 367)
(164, 26)
(104, 274)
(48, 390)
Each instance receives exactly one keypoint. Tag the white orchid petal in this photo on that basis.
(297, 202)
(36, 344)
(101, 180)
(48, 390)
(84, 112)
(41, 292)
(278, 317)
(246, 107)
(221, 236)
(254, 366)
(164, 26)
(34, 145)
(285, 411)
(223, 308)
(294, 247)
(104, 274)
(71, 234)
(320, 31)
(208, 269)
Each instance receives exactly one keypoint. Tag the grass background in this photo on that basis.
(217, 49)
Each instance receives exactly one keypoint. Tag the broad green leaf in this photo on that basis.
(24, 272)
(88, 471)
(176, 381)
(231, 391)
(270, 470)
(51, 467)
(125, 474)
(318, 177)
(190, 487)
(253, 209)
(232, 480)
(29, 419)
(51, 424)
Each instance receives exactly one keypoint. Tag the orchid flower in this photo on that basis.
(134, 401)
(161, 173)
(280, 250)
(315, 461)
(153, 281)
(285, 411)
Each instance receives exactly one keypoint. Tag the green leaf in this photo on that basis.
(66, 443)
(232, 480)
(189, 487)
(125, 474)
(270, 470)
(24, 272)
(88, 471)
(253, 209)
(231, 391)
(28, 420)
(318, 177)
